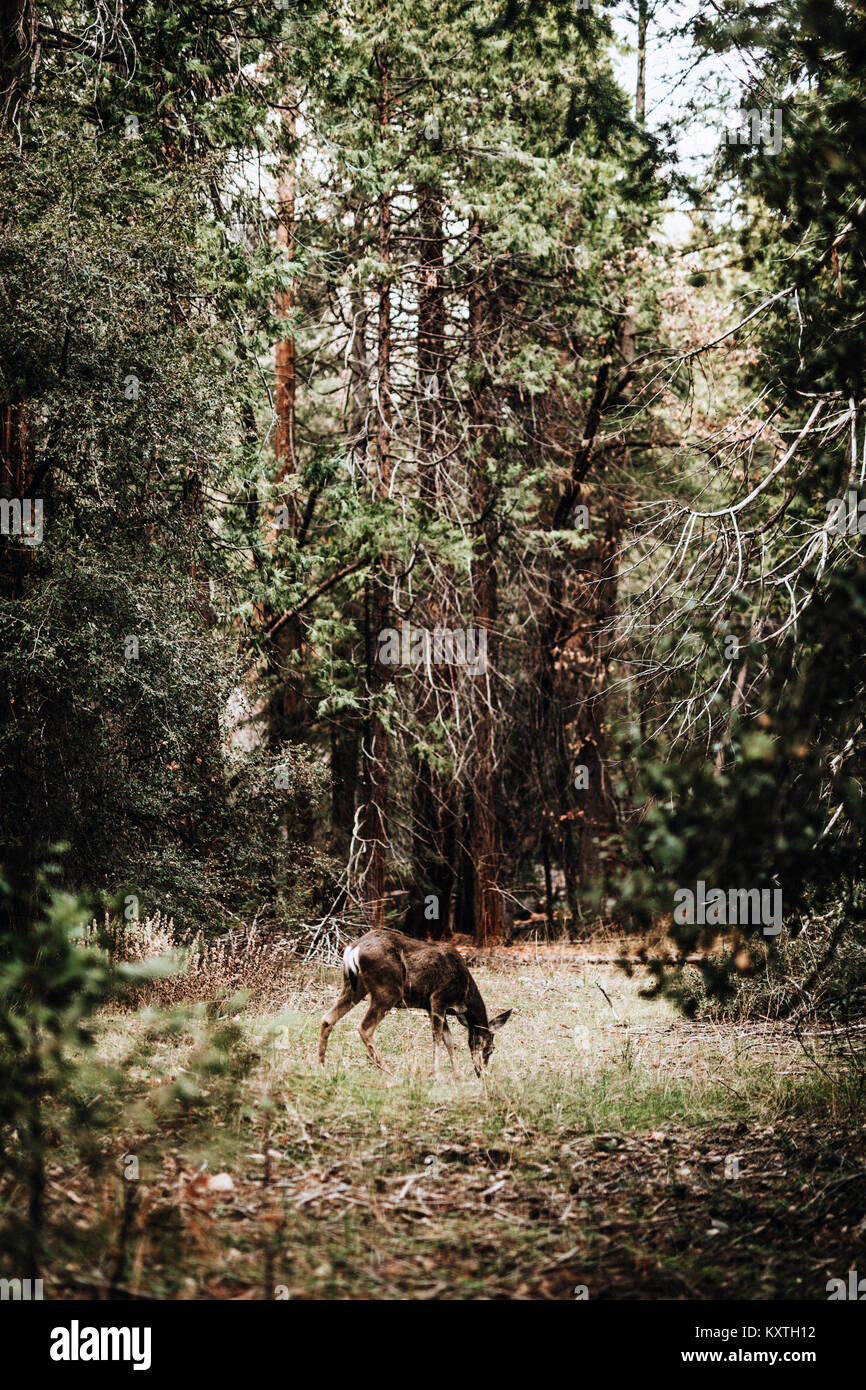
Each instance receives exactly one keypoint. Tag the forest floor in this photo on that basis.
(614, 1148)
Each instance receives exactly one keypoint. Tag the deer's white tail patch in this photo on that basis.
(350, 963)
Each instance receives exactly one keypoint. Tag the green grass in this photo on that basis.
(597, 1151)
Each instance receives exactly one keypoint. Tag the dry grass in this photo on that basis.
(192, 970)
(596, 1151)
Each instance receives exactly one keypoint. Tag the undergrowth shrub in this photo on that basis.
(185, 967)
(815, 980)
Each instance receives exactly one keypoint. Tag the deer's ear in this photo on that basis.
(494, 1024)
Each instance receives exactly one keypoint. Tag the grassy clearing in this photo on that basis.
(613, 1145)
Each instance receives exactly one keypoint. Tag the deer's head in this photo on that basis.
(481, 1039)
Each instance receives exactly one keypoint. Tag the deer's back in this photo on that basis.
(422, 968)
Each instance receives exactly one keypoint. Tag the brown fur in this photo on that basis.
(398, 972)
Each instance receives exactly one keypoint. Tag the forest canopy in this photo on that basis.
(427, 499)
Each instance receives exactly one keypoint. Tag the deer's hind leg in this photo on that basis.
(347, 1000)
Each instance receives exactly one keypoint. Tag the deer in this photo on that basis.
(398, 972)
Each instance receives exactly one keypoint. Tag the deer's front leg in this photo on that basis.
(449, 1043)
(438, 1024)
(372, 1019)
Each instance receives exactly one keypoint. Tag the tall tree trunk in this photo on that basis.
(375, 745)
(22, 781)
(597, 813)
(284, 399)
(597, 803)
(288, 638)
(17, 55)
(550, 751)
(434, 819)
(431, 340)
(344, 781)
(484, 830)
(346, 729)
(640, 89)
(575, 641)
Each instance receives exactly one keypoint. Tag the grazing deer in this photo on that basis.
(400, 973)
